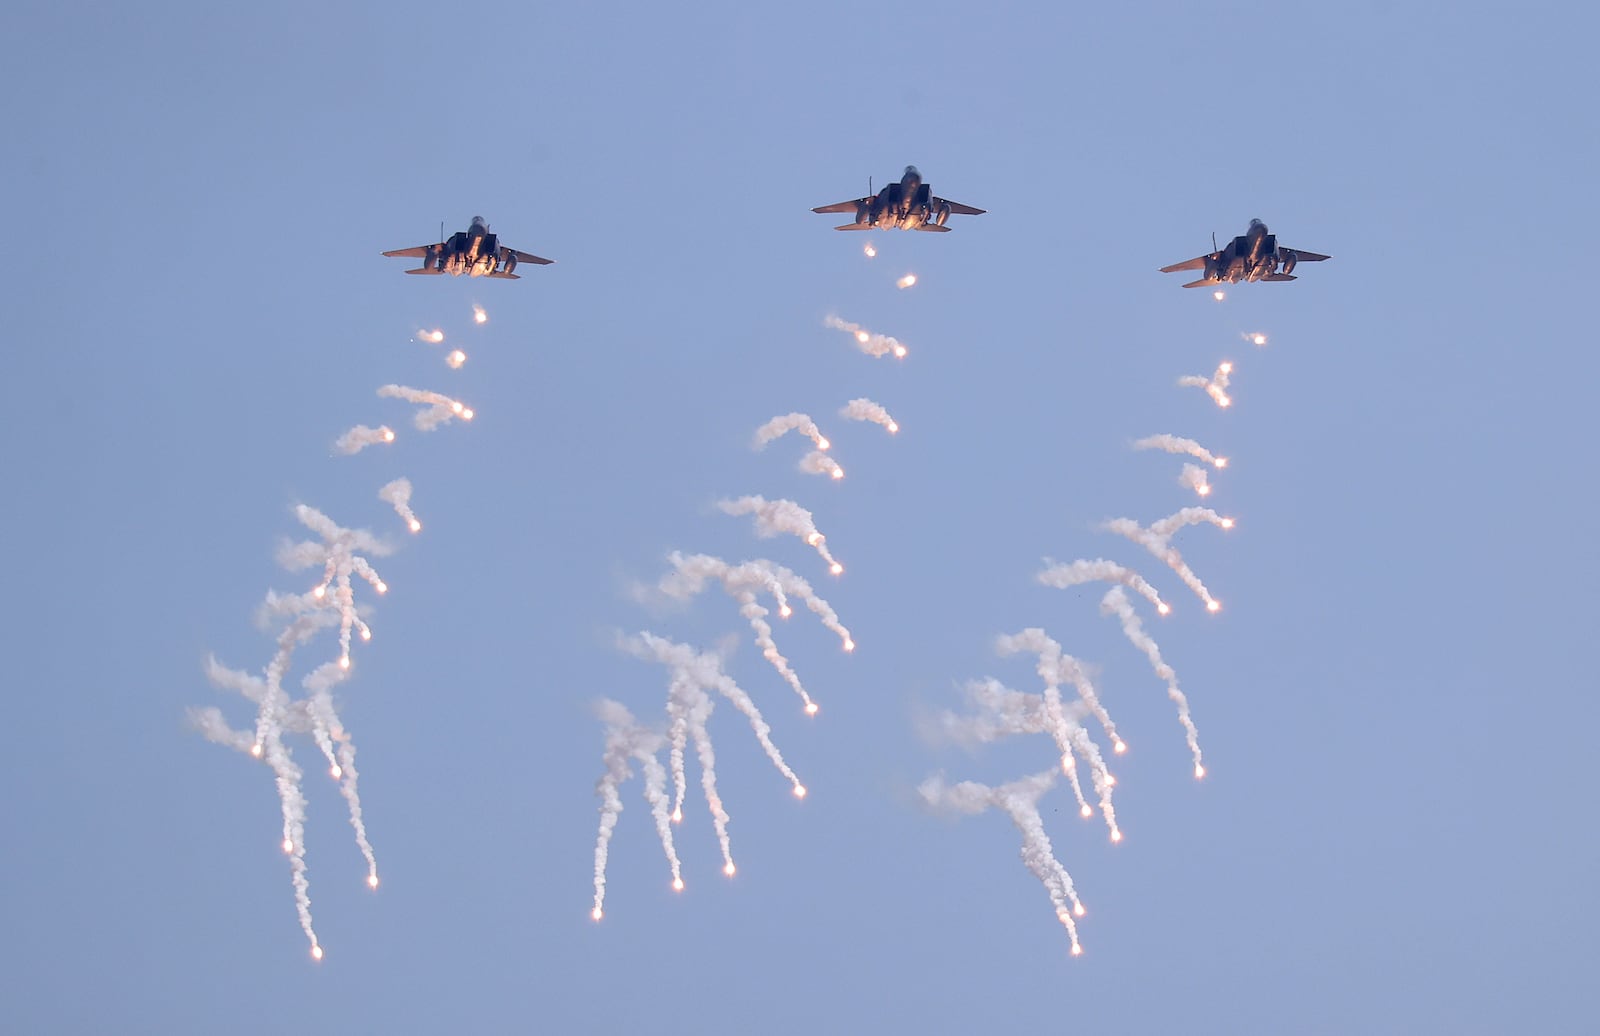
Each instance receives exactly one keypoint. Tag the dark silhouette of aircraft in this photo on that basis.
(474, 252)
(1253, 256)
(907, 205)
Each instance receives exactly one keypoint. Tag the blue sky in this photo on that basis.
(1397, 703)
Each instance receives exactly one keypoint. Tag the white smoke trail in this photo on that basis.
(361, 436)
(1116, 603)
(1216, 386)
(1157, 539)
(1056, 667)
(704, 670)
(1062, 576)
(397, 494)
(786, 423)
(1166, 527)
(1020, 800)
(869, 342)
(692, 573)
(867, 410)
(272, 712)
(1194, 477)
(337, 554)
(774, 517)
(340, 751)
(1003, 712)
(818, 463)
(440, 408)
(627, 740)
(1175, 444)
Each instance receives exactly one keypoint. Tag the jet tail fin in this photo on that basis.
(934, 228)
(1201, 283)
(1280, 277)
(855, 226)
(428, 271)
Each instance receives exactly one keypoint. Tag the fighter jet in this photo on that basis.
(474, 252)
(1255, 256)
(907, 205)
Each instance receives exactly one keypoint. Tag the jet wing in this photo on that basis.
(844, 206)
(410, 253)
(529, 257)
(1304, 257)
(958, 208)
(1197, 263)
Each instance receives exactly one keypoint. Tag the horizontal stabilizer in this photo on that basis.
(855, 226)
(1204, 282)
(529, 257)
(934, 228)
(1280, 277)
(410, 253)
(428, 271)
(501, 275)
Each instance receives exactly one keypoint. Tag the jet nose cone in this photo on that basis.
(478, 221)
(1257, 224)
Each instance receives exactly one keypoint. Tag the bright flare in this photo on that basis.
(316, 953)
(869, 251)
(677, 884)
(1086, 811)
(1258, 339)
(849, 645)
(1221, 462)
(837, 569)
(907, 281)
(799, 791)
(372, 881)
(456, 359)
(335, 772)
(1199, 771)
(434, 336)
(811, 709)
(479, 315)
(1219, 295)
(596, 914)
(728, 869)
(1213, 606)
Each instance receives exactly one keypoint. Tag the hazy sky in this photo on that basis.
(1397, 702)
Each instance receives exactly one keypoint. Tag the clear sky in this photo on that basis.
(1397, 701)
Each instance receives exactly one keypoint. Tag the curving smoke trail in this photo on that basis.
(1056, 667)
(703, 670)
(1002, 712)
(869, 342)
(1020, 801)
(397, 494)
(1075, 573)
(818, 463)
(1194, 477)
(785, 423)
(1176, 444)
(775, 517)
(1216, 386)
(277, 715)
(866, 410)
(1157, 539)
(440, 407)
(1116, 603)
(627, 741)
(693, 573)
(361, 436)
(337, 554)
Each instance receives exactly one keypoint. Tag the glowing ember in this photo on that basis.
(907, 281)
(479, 315)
